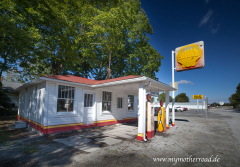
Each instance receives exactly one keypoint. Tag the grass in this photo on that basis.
(5, 133)
(29, 150)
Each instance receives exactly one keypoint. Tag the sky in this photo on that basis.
(177, 23)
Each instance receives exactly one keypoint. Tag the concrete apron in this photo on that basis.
(93, 141)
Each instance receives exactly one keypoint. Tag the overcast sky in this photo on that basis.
(216, 22)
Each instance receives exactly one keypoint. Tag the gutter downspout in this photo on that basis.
(144, 116)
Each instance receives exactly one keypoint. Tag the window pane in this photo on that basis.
(85, 100)
(59, 91)
(73, 92)
(104, 106)
(70, 92)
(120, 102)
(62, 105)
(109, 106)
(63, 89)
(70, 105)
(91, 100)
(131, 97)
(66, 92)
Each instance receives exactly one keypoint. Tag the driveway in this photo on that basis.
(195, 137)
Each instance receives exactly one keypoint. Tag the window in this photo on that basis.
(88, 100)
(65, 101)
(119, 102)
(106, 101)
(130, 102)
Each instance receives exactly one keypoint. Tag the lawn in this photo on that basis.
(9, 134)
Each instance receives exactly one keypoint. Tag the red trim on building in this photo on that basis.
(46, 130)
(150, 134)
(87, 81)
(140, 138)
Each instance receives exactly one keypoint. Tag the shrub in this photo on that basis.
(5, 104)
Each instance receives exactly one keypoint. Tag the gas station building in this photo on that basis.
(59, 103)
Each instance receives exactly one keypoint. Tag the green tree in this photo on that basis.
(235, 98)
(5, 104)
(118, 30)
(182, 97)
(152, 99)
(59, 36)
(162, 97)
(17, 41)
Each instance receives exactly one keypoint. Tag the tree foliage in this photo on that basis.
(5, 104)
(152, 99)
(77, 37)
(235, 98)
(182, 97)
(17, 41)
(162, 97)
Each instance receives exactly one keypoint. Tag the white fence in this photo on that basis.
(189, 105)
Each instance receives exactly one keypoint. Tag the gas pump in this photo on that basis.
(150, 120)
(161, 118)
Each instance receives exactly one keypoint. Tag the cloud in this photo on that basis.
(215, 30)
(185, 82)
(206, 18)
(206, 1)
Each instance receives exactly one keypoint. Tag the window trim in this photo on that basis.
(106, 112)
(65, 114)
(121, 102)
(131, 111)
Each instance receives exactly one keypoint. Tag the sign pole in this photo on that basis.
(197, 105)
(173, 97)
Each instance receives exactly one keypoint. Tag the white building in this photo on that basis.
(60, 103)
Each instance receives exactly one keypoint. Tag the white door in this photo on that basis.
(120, 108)
(88, 108)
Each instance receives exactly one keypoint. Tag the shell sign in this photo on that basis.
(189, 57)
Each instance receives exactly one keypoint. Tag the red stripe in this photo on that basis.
(150, 134)
(70, 128)
(140, 138)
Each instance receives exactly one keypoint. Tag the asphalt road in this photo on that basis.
(195, 137)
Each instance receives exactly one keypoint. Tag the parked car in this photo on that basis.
(185, 108)
(179, 109)
(170, 110)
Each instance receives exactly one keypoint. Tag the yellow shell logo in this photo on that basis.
(189, 55)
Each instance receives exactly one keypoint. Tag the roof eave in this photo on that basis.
(63, 81)
(169, 88)
(125, 81)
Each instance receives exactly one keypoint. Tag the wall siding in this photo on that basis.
(32, 113)
(45, 117)
(53, 119)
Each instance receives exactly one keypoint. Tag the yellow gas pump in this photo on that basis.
(161, 119)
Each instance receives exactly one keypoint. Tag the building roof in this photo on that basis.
(11, 86)
(88, 81)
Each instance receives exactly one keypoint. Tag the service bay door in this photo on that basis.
(88, 108)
